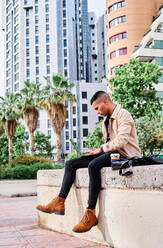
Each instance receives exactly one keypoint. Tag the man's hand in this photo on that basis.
(93, 151)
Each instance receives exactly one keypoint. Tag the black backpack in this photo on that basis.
(134, 161)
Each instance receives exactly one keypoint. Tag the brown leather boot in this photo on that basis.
(55, 206)
(87, 222)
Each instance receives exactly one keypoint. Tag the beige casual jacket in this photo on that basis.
(123, 136)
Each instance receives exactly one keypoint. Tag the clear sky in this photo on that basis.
(98, 6)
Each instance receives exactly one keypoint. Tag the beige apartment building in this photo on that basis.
(127, 21)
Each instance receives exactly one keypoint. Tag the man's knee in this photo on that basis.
(92, 165)
(68, 164)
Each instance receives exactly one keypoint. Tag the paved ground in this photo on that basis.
(13, 188)
(18, 222)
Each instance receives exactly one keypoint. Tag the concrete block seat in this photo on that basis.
(129, 209)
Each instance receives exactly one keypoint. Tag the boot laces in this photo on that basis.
(85, 218)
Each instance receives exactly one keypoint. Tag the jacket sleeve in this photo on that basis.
(125, 124)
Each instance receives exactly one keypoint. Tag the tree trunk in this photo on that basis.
(32, 143)
(58, 147)
(10, 149)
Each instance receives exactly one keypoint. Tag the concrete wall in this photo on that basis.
(129, 209)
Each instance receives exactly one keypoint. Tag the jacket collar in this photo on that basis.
(115, 112)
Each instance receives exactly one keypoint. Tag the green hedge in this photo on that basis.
(22, 171)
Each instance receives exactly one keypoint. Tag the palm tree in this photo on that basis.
(1, 129)
(30, 98)
(9, 107)
(54, 96)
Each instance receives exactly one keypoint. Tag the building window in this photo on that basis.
(85, 132)
(49, 132)
(16, 77)
(49, 124)
(37, 70)
(47, 59)
(16, 28)
(74, 110)
(8, 72)
(64, 13)
(65, 52)
(46, 8)
(16, 57)
(47, 38)
(27, 62)
(64, 3)
(117, 21)
(64, 23)
(27, 42)
(65, 62)
(27, 22)
(47, 17)
(84, 108)
(36, 29)
(119, 52)
(65, 72)
(85, 119)
(36, 1)
(67, 124)
(16, 87)
(27, 13)
(38, 124)
(27, 73)
(116, 6)
(36, 9)
(36, 19)
(37, 60)
(67, 135)
(74, 122)
(47, 27)
(8, 82)
(74, 134)
(67, 146)
(47, 49)
(37, 80)
(65, 43)
(118, 37)
(37, 50)
(84, 95)
(27, 52)
(64, 33)
(36, 40)
(48, 69)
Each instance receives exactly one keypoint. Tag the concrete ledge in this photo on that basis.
(129, 209)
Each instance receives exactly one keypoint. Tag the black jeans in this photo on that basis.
(94, 164)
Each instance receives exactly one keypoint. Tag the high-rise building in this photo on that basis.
(98, 46)
(102, 47)
(73, 39)
(82, 117)
(31, 34)
(151, 47)
(127, 22)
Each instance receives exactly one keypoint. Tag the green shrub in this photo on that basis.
(72, 155)
(28, 160)
(21, 171)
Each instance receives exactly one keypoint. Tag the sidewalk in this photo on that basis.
(18, 221)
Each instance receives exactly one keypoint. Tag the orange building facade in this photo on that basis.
(127, 21)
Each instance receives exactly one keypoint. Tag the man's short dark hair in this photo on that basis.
(99, 94)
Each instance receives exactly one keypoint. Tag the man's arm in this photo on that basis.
(93, 151)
